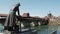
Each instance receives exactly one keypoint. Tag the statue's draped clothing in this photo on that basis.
(11, 19)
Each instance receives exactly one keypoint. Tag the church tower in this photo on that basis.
(49, 14)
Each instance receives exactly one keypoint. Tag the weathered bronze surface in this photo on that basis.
(11, 18)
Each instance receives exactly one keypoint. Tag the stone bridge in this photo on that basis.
(26, 20)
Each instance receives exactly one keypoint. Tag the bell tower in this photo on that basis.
(49, 14)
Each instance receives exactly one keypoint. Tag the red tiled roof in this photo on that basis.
(34, 17)
(3, 15)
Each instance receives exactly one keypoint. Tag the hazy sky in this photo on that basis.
(34, 7)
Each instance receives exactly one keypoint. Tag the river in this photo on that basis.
(44, 29)
(47, 29)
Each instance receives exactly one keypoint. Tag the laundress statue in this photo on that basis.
(10, 22)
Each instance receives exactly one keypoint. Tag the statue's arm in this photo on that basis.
(18, 11)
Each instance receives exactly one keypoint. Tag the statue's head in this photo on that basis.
(14, 8)
(18, 4)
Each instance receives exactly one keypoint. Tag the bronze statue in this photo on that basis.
(11, 18)
(12, 27)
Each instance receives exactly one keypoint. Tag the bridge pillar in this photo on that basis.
(36, 23)
(26, 24)
(39, 23)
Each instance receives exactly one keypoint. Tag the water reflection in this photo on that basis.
(1, 27)
(58, 30)
(47, 29)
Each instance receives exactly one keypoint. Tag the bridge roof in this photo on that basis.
(3, 15)
(34, 17)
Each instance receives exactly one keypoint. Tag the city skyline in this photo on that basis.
(34, 7)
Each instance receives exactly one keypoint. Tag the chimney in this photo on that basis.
(26, 14)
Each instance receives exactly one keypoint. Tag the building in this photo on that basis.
(52, 19)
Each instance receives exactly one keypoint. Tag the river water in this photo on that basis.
(45, 29)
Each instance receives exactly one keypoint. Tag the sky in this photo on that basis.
(34, 7)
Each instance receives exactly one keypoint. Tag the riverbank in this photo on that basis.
(54, 23)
